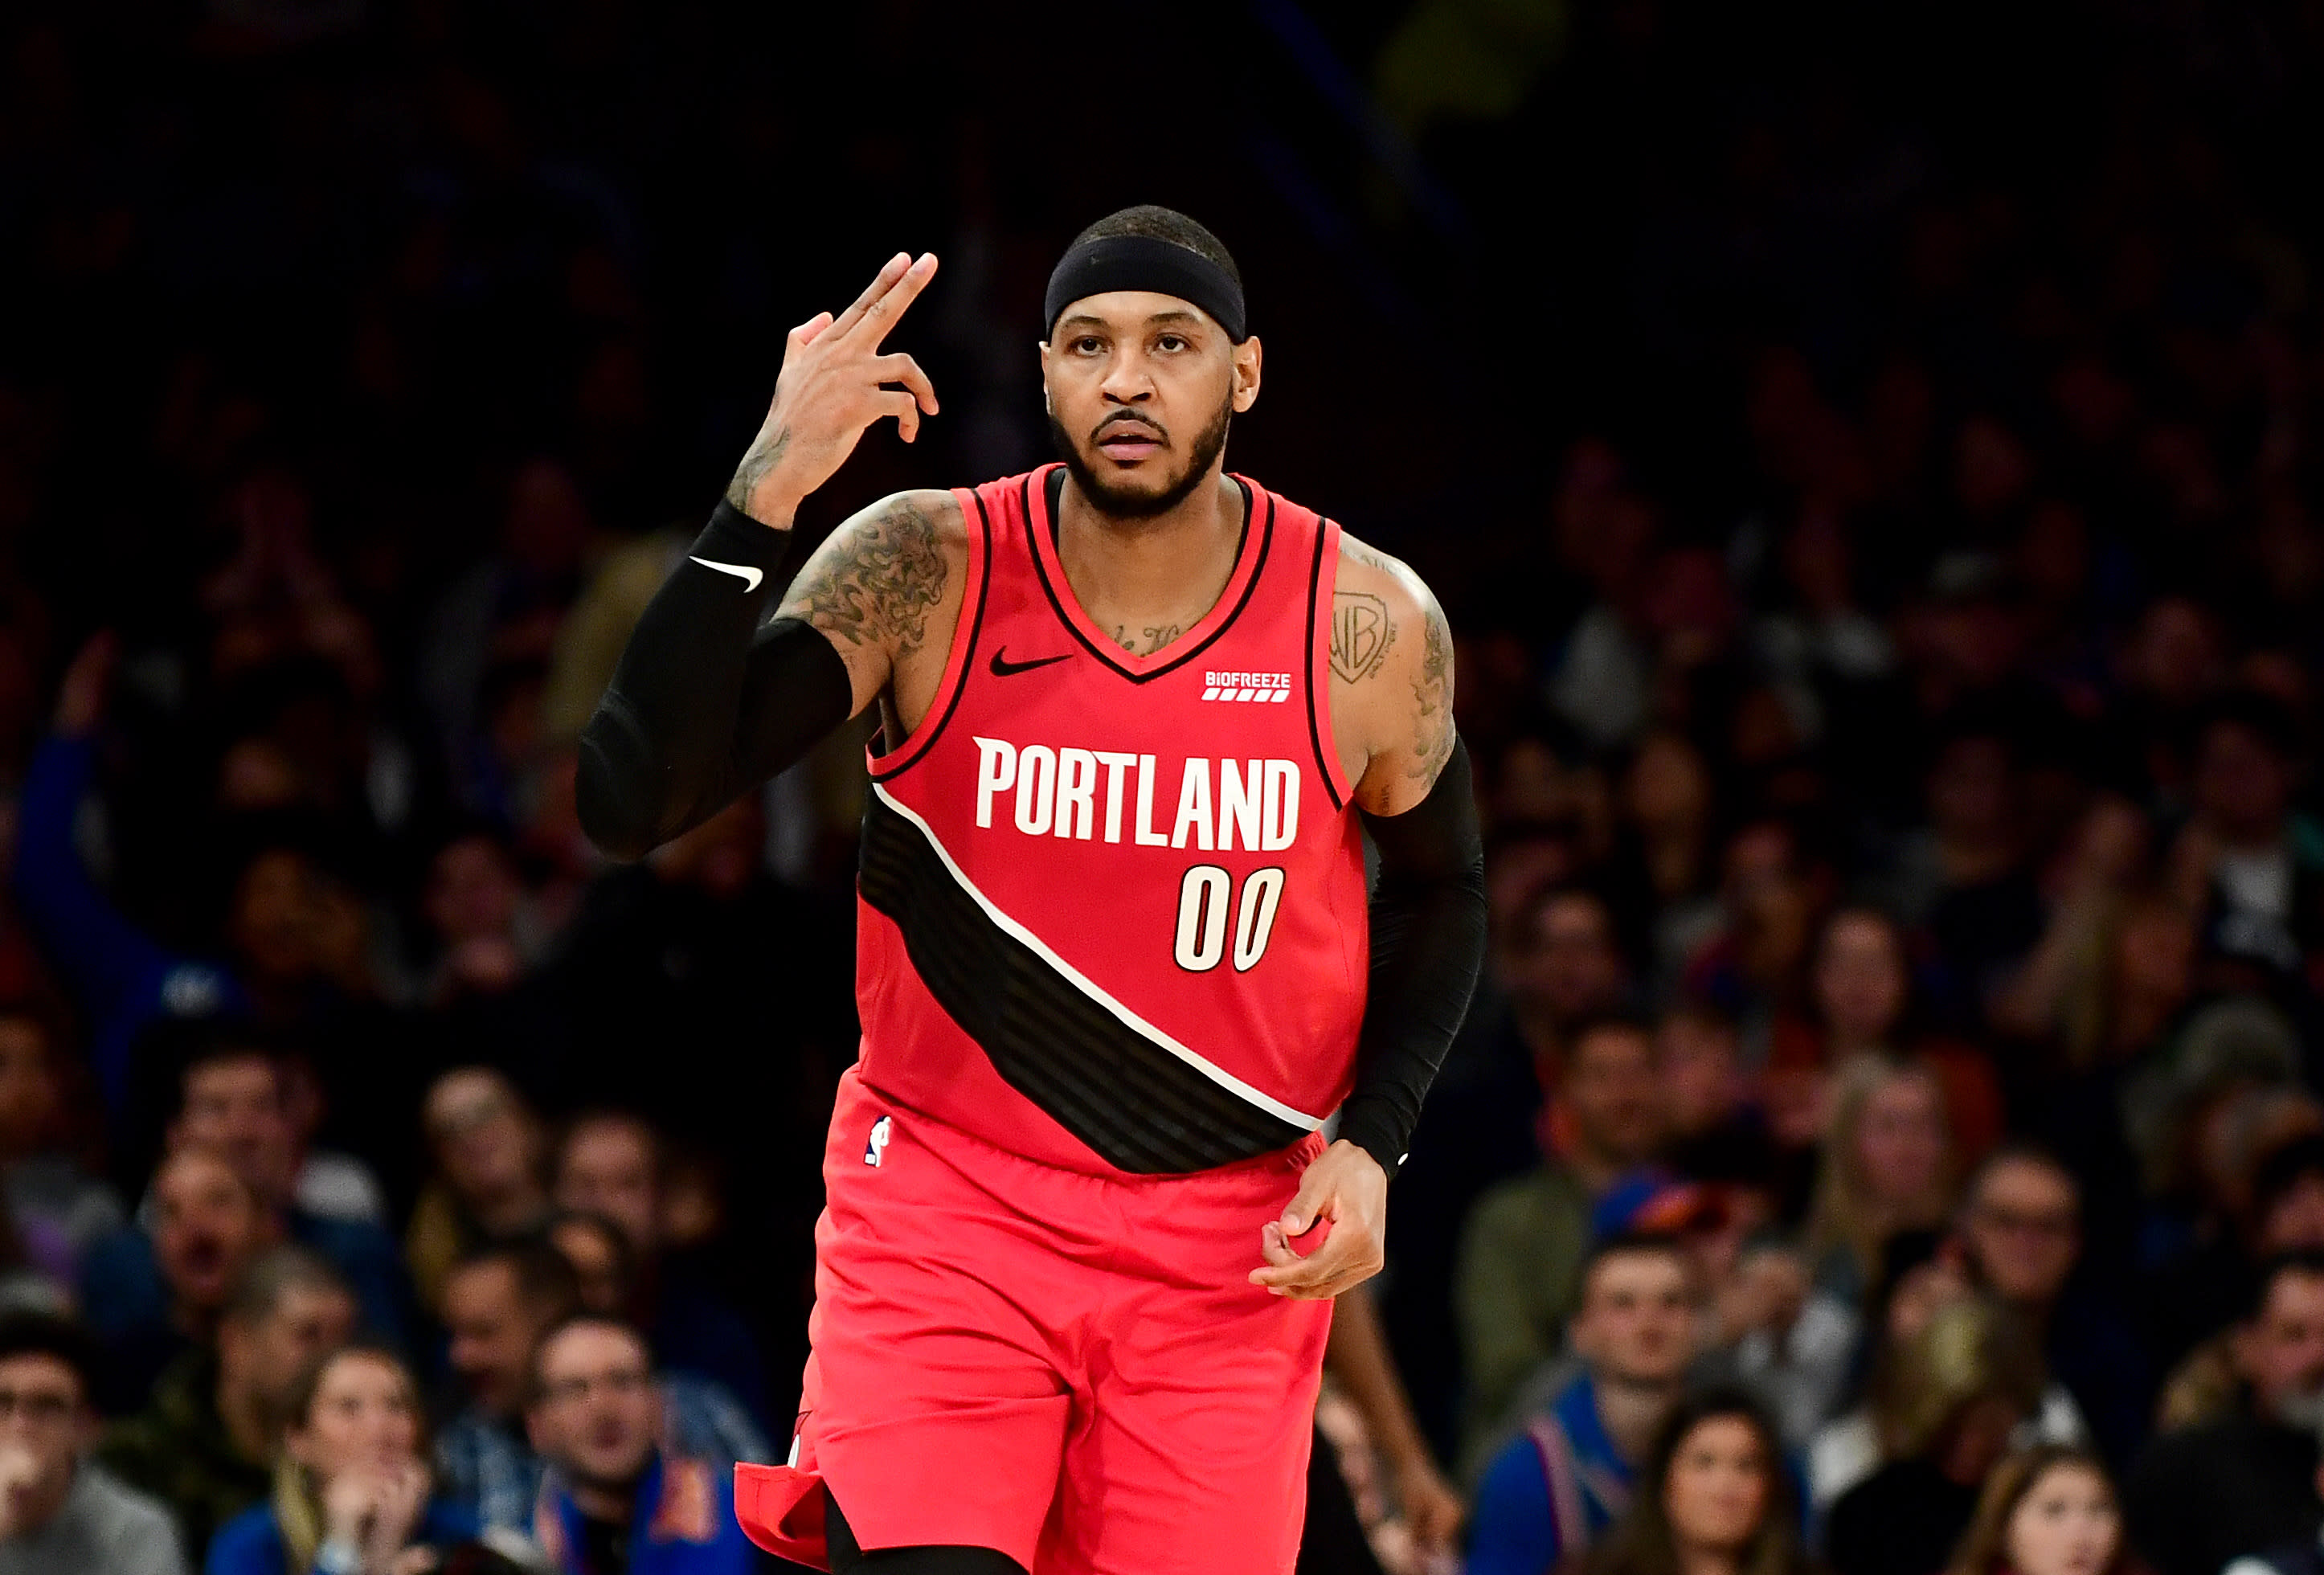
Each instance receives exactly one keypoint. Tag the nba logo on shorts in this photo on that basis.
(873, 1149)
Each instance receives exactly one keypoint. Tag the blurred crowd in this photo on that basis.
(1888, 1133)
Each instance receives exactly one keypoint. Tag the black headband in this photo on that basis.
(1144, 262)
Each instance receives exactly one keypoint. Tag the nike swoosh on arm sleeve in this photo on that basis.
(705, 704)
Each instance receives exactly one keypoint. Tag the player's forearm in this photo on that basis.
(705, 704)
(1358, 1356)
(1428, 942)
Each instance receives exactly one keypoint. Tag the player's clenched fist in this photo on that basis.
(834, 382)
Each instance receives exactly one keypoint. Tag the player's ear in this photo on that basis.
(1246, 374)
(1046, 405)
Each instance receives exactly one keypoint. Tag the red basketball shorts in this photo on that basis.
(1073, 1369)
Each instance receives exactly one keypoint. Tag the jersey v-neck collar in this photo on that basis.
(1042, 490)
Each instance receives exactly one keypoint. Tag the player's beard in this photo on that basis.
(1121, 503)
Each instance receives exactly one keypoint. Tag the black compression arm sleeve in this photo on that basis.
(706, 703)
(1428, 942)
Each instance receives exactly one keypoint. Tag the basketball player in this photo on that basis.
(1117, 961)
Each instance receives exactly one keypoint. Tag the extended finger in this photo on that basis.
(881, 283)
(880, 315)
(901, 368)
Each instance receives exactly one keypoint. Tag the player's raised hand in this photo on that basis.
(1344, 1194)
(836, 382)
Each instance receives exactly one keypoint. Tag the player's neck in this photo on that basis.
(1170, 567)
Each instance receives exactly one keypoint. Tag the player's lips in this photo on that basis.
(1128, 442)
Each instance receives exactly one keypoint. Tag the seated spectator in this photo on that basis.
(231, 1102)
(1948, 1410)
(350, 1485)
(1519, 1276)
(2048, 1510)
(498, 1302)
(1713, 1500)
(490, 1154)
(57, 1204)
(2019, 1234)
(205, 1444)
(612, 1163)
(2286, 1215)
(204, 1226)
(2245, 1483)
(1554, 1490)
(59, 1513)
(1888, 1168)
(1923, 1273)
(1863, 1003)
(615, 1500)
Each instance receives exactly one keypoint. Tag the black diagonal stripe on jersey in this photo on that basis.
(1139, 1107)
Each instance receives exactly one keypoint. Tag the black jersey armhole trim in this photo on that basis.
(1250, 586)
(1316, 693)
(967, 655)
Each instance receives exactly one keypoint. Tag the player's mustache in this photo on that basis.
(1114, 423)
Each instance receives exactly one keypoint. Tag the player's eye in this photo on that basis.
(1170, 342)
(1088, 345)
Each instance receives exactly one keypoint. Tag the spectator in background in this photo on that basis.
(2287, 1215)
(231, 1103)
(1713, 1499)
(1554, 1490)
(1520, 1271)
(59, 1206)
(1863, 1001)
(205, 1444)
(2261, 866)
(615, 1500)
(2245, 1483)
(498, 1302)
(490, 1182)
(611, 1164)
(206, 1226)
(2019, 1233)
(59, 1513)
(1949, 1407)
(350, 1485)
(1966, 880)
(2048, 1510)
(1888, 1168)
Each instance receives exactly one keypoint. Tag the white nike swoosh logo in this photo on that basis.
(748, 576)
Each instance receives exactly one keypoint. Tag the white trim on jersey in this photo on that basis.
(1074, 976)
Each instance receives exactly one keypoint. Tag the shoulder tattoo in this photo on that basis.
(879, 583)
(1432, 691)
(1361, 634)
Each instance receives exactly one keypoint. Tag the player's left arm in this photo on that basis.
(1392, 715)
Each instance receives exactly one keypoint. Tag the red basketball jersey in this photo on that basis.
(1112, 908)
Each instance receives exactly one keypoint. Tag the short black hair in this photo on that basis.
(1164, 224)
(28, 1331)
(544, 1276)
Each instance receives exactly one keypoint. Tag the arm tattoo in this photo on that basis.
(1433, 691)
(878, 587)
(765, 452)
(1361, 634)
